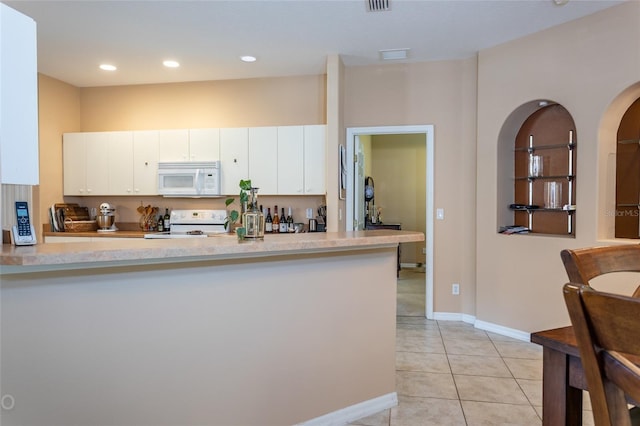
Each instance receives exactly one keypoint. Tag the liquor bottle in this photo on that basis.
(160, 224)
(290, 226)
(275, 226)
(268, 222)
(167, 220)
(283, 223)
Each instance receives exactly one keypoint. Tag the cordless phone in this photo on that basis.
(23, 233)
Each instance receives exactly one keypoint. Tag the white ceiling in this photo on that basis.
(289, 37)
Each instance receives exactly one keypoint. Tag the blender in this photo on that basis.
(106, 218)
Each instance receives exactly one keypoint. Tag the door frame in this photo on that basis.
(428, 130)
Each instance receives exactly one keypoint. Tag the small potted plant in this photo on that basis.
(234, 215)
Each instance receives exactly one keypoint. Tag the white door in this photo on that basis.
(145, 162)
(315, 159)
(174, 145)
(97, 144)
(234, 159)
(204, 144)
(120, 154)
(290, 160)
(358, 187)
(74, 153)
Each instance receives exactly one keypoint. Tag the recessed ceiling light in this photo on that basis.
(394, 54)
(108, 67)
(248, 58)
(171, 64)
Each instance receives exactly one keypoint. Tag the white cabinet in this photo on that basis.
(315, 159)
(234, 159)
(189, 145)
(174, 145)
(74, 160)
(290, 160)
(145, 162)
(263, 159)
(110, 163)
(18, 99)
(204, 144)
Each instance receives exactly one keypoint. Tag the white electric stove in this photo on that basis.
(193, 224)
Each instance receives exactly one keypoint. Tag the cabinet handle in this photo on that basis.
(235, 160)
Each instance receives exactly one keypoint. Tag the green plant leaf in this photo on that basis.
(245, 184)
(234, 215)
(229, 201)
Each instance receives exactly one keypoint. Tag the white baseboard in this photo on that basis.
(483, 325)
(354, 412)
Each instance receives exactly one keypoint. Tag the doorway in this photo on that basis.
(355, 189)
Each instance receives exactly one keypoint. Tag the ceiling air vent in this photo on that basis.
(378, 5)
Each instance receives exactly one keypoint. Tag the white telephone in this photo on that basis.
(23, 233)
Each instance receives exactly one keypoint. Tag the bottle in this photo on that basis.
(283, 223)
(275, 226)
(268, 222)
(167, 220)
(290, 226)
(160, 224)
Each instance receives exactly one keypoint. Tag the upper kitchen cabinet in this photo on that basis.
(234, 159)
(263, 159)
(315, 159)
(18, 99)
(302, 160)
(189, 145)
(204, 144)
(291, 160)
(110, 163)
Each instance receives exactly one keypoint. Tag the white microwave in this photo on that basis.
(189, 179)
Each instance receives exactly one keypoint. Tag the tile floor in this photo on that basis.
(450, 373)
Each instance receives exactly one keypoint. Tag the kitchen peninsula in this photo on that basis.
(293, 329)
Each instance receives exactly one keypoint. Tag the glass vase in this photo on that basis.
(253, 218)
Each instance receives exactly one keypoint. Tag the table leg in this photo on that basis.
(561, 403)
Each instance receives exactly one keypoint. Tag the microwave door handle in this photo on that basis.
(199, 179)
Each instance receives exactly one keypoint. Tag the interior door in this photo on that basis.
(358, 186)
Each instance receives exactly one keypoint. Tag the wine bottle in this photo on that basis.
(268, 222)
(160, 224)
(283, 223)
(275, 226)
(166, 220)
(290, 226)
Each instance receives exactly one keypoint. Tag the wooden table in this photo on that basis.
(562, 377)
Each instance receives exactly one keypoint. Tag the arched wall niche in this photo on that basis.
(544, 129)
(607, 148)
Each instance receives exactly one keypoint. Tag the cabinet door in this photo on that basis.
(18, 99)
(204, 144)
(263, 159)
(120, 155)
(174, 145)
(315, 159)
(145, 162)
(74, 164)
(97, 160)
(290, 160)
(234, 156)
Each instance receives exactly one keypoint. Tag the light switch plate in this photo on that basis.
(440, 214)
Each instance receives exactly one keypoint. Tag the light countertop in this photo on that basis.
(52, 256)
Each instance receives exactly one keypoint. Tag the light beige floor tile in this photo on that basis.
(538, 409)
(422, 361)
(416, 322)
(463, 333)
(470, 347)
(587, 418)
(519, 350)
(478, 365)
(500, 338)
(522, 368)
(496, 414)
(419, 344)
(586, 401)
(418, 332)
(427, 411)
(421, 384)
(532, 389)
(489, 389)
(378, 419)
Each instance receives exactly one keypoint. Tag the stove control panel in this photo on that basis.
(212, 217)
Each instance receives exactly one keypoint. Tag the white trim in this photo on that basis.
(428, 130)
(355, 412)
(483, 325)
(504, 331)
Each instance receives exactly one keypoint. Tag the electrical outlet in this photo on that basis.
(440, 214)
(455, 288)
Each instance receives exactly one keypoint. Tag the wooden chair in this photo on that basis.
(582, 265)
(607, 329)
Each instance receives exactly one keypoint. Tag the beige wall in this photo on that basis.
(584, 65)
(398, 167)
(442, 94)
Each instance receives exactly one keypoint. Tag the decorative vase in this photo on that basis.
(253, 218)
